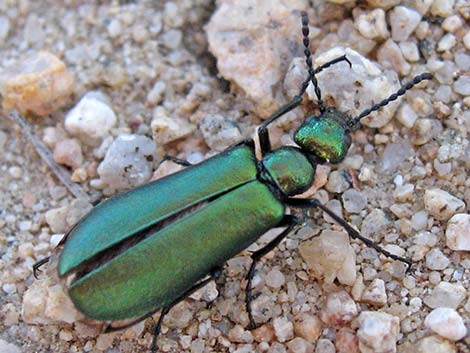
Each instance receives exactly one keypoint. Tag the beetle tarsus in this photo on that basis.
(288, 221)
(38, 264)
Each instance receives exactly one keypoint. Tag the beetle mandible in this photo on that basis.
(149, 248)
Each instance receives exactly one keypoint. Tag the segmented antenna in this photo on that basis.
(355, 122)
(308, 60)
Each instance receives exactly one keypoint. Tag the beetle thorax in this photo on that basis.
(325, 136)
(289, 169)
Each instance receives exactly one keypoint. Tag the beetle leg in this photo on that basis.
(175, 160)
(288, 221)
(312, 203)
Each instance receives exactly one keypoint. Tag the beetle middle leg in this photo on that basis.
(312, 203)
(175, 160)
(288, 221)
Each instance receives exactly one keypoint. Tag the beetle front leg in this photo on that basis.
(289, 221)
(312, 203)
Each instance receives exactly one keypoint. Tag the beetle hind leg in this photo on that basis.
(288, 221)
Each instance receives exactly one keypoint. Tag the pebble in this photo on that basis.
(330, 256)
(299, 345)
(339, 309)
(442, 205)
(372, 24)
(375, 294)
(354, 201)
(4, 29)
(15, 172)
(390, 55)
(91, 119)
(337, 183)
(39, 85)
(354, 89)
(157, 93)
(383, 4)
(378, 332)
(166, 129)
(250, 51)
(283, 329)
(462, 85)
(457, 232)
(446, 295)
(419, 220)
(307, 326)
(435, 344)
(325, 346)
(442, 8)
(394, 155)
(436, 260)
(410, 51)
(275, 278)
(452, 23)
(404, 192)
(447, 323)
(403, 21)
(446, 43)
(264, 333)
(128, 162)
(6, 347)
(406, 115)
(346, 341)
(68, 152)
(56, 219)
(466, 40)
(172, 39)
(219, 133)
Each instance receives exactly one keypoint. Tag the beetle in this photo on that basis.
(149, 248)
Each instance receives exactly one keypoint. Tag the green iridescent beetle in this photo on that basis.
(149, 248)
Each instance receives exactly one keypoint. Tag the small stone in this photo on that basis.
(447, 323)
(325, 346)
(466, 40)
(452, 23)
(422, 6)
(462, 85)
(275, 278)
(390, 55)
(446, 295)
(4, 29)
(339, 309)
(167, 129)
(457, 232)
(15, 172)
(337, 183)
(441, 204)
(299, 345)
(403, 21)
(115, 28)
(354, 201)
(419, 221)
(346, 341)
(375, 294)
(442, 8)
(104, 341)
(355, 89)
(68, 152)
(435, 344)
(383, 4)
(406, 115)
(128, 162)
(394, 155)
(378, 332)
(283, 329)
(264, 333)
(424, 130)
(250, 51)
(240, 335)
(6, 347)
(436, 260)
(307, 326)
(372, 24)
(92, 118)
(330, 256)
(404, 192)
(172, 15)
(172, 39)
(446, 43)
(410, 51)
(463, 61)
(156, 94)
(219, 133)
(40, 85)
(56, 219)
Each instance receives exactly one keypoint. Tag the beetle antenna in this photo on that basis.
(308, 60)
(354, 123)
